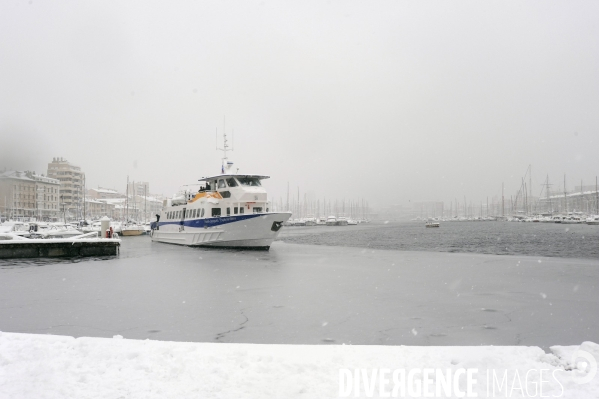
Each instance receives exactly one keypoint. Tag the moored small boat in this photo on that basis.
(593, 220)
(132, 229)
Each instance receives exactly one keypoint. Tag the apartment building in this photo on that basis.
(28, 195)
(71, 185)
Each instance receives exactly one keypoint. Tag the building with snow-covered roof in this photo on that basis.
(96, 209)
(104, 193)
(29, 195)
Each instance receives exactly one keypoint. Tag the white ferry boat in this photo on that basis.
(229, 210)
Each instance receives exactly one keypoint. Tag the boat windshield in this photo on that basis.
(231, 182)
(249, 181)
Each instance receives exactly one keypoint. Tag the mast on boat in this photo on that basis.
(127, 202)
(565, 198)
(226, 165)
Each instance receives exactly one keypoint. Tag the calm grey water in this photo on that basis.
(499, 238)
(343, 290)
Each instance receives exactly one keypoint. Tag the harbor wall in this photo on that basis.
(58, 249)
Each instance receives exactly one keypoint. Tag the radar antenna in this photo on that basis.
(225, 163)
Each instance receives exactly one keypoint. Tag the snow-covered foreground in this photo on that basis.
(49, 366)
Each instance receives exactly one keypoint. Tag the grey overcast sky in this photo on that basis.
(392, 101)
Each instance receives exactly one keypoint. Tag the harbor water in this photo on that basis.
(383, 284)
(497, 238)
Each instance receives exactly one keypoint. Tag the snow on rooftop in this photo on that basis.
(113, 200)
(15, 174)
(104, 190)
(49, 366)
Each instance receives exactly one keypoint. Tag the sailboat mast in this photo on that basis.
(127, 201)
(548, 198)
(530, 189)
(565, 198)
(502, 202)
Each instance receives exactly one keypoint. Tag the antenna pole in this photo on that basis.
(225, 144)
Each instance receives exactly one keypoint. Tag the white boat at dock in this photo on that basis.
(310, 221)
(593, 220)
(15, 228)
(53, 230)
(341, 221)
(572, 220)
(132, 229)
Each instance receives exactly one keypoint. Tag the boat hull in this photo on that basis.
(132, 232)
(252, 231)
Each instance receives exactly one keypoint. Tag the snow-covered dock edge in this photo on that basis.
(50, 366)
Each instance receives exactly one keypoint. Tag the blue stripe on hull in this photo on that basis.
(210, 222)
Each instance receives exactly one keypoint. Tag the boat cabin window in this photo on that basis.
(249, 181)
(228, 211)
(202, 213)
(231, 182)
(221, 184)
(215, 212)
(257, 209)
(235, 210)
(241, 209)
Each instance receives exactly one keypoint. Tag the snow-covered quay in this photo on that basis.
(50, 366)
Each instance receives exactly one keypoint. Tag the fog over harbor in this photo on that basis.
(389, 101)
(431, 216)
